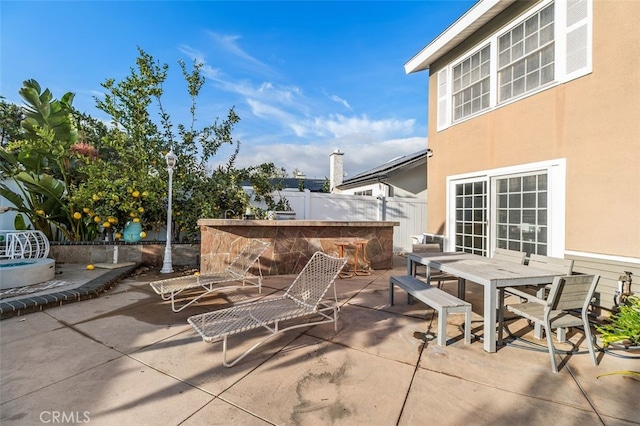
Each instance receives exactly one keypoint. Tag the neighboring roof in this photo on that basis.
(313, 185)
(481, 13)
(387, 169)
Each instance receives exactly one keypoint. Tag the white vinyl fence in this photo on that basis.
(411, 213)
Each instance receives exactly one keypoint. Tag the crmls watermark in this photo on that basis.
(65, 417)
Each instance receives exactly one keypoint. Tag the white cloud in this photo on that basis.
(192, 53)
(286, 119)
(207, 70)
(338, 99)
(339, 125)
(230, 44)
(313, 158)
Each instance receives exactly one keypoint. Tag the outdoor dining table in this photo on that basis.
(492, 274)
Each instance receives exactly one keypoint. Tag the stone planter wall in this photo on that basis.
(151, 254)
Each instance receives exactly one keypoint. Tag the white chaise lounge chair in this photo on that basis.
(303, 299)
(237, 271)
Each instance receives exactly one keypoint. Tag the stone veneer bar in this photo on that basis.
(293, 242)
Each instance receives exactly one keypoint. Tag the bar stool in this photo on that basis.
(341, 253)
(360, 246)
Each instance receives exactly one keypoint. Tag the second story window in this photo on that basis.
(526, 56)
(471, 84)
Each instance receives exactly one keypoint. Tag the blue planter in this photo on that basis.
(132, 232)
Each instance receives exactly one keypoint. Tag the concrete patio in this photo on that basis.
(126, 358)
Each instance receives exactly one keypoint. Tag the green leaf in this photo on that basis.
(46, 97)
(19, 223)
(32, 84)
(12, 197)
(44, 184)
(30, 95)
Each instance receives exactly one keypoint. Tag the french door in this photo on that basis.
(508, 208)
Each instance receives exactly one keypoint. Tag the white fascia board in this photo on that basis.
(474, 18)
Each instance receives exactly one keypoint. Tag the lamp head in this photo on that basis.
(172, 159)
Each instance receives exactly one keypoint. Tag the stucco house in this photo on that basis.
(534, 123)
(405, 177)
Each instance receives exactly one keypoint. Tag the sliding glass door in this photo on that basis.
(508, 208)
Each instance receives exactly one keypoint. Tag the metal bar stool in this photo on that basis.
(341, 253)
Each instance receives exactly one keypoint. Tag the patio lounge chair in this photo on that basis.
(303, 299)
(237, 271)
(566, 306)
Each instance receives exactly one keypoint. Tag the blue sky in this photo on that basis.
(305, 77)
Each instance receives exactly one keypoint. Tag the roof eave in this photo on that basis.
(481, 13)
(382, 174)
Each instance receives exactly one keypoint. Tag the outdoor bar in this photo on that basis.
(293, 242)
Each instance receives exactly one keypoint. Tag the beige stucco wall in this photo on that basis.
(593, 122)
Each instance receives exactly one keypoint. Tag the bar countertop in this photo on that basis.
(295, 223)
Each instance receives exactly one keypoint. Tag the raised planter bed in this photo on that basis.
(148, 253)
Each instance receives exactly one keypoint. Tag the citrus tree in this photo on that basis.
(128, 182)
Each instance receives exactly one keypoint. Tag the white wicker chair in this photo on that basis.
(237, 271)
(302, 300)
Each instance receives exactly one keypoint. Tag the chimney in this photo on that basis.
(336, 169)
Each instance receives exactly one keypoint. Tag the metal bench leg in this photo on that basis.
(467, 325)
(442, 327)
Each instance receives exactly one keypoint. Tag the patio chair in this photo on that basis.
(302, 300)
(566, 306)
(556, 264)
(548, 263)
(237, 271)
(436, 275)
(509, 255)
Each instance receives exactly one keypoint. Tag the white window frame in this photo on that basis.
(454, 65)
(573, 20)
(523, 59)
(556, 175)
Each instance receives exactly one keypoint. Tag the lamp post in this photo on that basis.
(167, 266)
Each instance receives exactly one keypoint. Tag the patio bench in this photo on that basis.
(439, 300)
